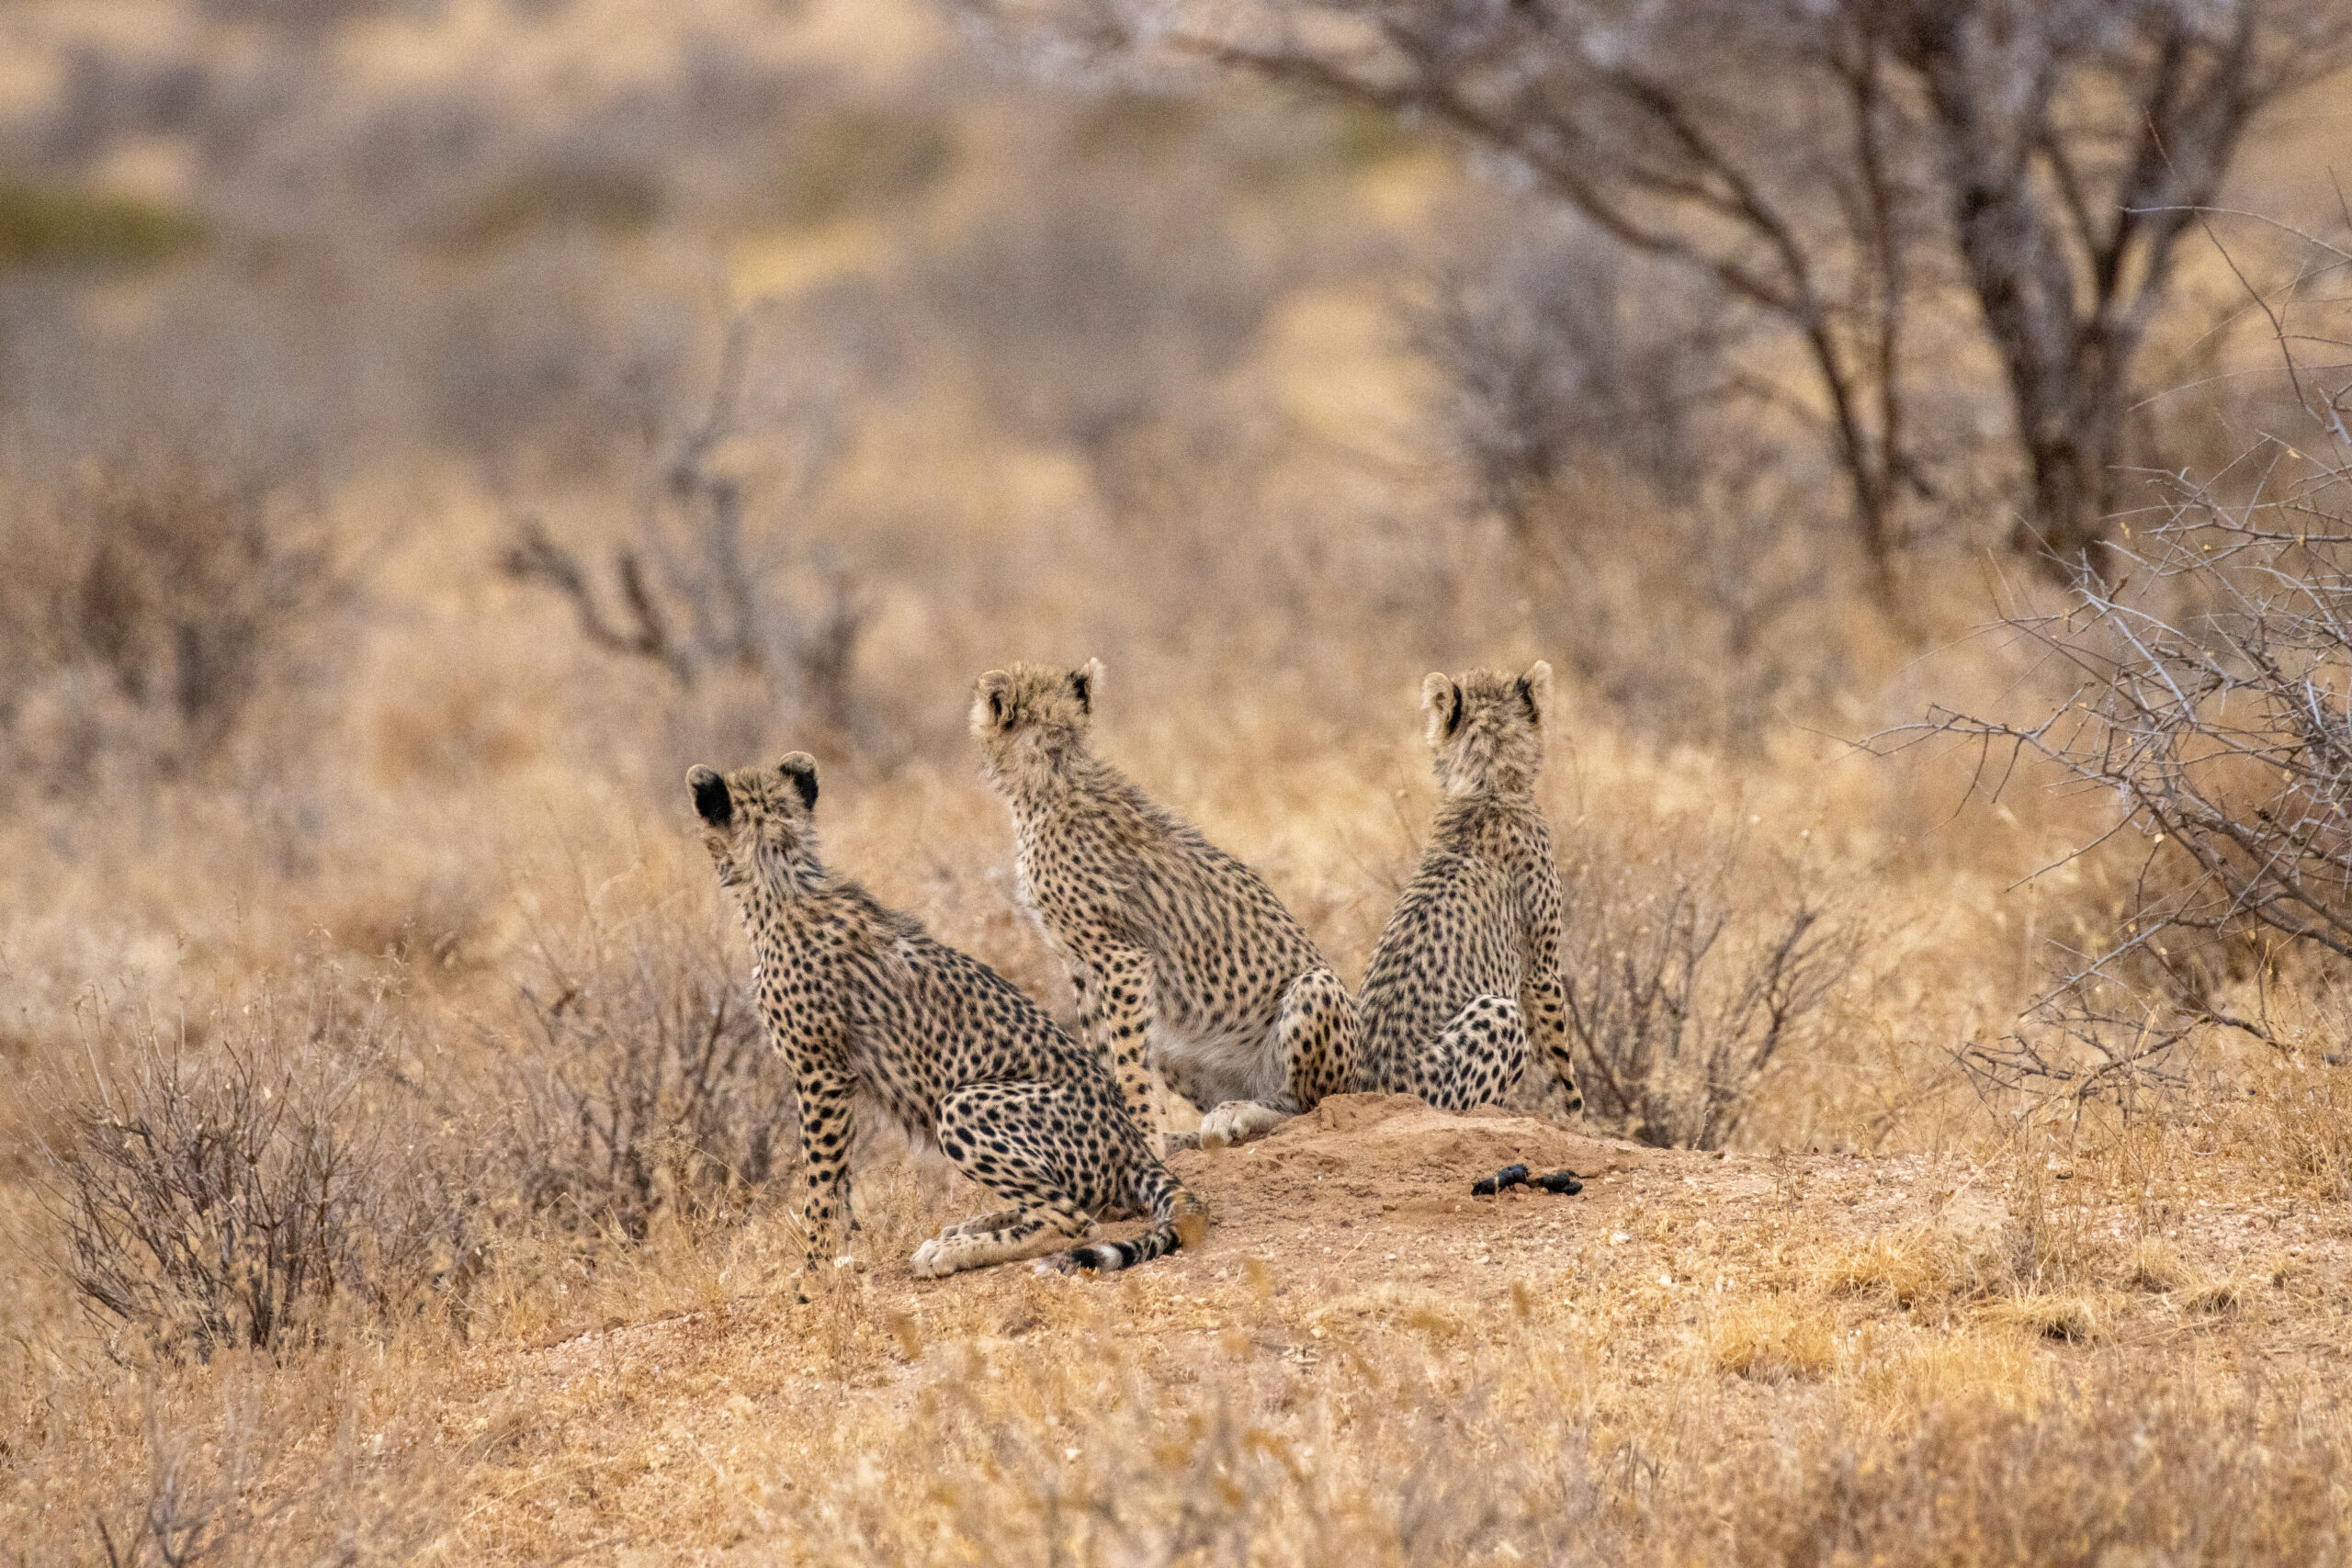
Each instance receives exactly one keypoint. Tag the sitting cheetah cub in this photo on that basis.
(1471, 958)
(860, 998)
(1167, 937)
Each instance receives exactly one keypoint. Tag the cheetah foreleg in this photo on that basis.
(825, 1127)
(1545, 1003)
(1237, 1121)
(1113, 988)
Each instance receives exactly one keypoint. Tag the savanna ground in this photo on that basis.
(453, 422)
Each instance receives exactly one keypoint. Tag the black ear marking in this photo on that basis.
(712, 803)
(801, 768)
(992, 703)
(1453, 714)
(1082, 686)
(1527, 695)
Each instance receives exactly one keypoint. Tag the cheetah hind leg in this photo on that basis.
(991, 1222)
(1477, 1059)
(1049, 1227)
(989, 1130)
(1316, 1041)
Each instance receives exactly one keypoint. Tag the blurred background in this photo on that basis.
(427, 427)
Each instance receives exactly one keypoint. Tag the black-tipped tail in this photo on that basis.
(1179, 1219)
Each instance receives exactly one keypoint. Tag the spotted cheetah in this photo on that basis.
(1170, 941)
(1471, 958)
(865, 1004)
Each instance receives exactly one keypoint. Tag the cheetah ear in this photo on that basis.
(1441, 701)
(712, 803)
(1535, 691)
(800, 770)
(992, 703)
(1084, 681)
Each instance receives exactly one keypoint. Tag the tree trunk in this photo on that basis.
(2064, 376)
(2072, 457)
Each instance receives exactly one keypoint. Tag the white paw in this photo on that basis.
(929, 1261)
(1237, 1121)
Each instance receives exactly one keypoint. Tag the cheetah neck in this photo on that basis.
(786, 873)
(778, 884)
(1057, 778)
(1491, 780)
(779, 923)
(1469, 815)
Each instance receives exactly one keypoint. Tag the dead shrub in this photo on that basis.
(716, 574)
(2204, 695)
(185, 586)
(1086, 317)
(247, 1461)
(1681, 996)
(642, 1084)
(1557, 349)
(227, 1194)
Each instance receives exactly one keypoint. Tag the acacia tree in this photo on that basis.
(1823, 163)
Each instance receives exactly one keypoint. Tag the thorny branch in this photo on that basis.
(2211, 701)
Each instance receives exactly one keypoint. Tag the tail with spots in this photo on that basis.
(1179, 1219)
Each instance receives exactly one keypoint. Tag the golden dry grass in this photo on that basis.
(1889, 1327)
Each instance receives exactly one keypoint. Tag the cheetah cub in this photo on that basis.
(1470, 961)
(863, 1002)
(1169, 939)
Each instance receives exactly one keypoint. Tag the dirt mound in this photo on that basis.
(1388, 1152)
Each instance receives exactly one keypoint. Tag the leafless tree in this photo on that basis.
(694, 587)
(1823, 163)
(1558, 351)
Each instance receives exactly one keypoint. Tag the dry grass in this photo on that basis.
(1896, 1323)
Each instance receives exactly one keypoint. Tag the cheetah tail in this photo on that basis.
(1179, 1219)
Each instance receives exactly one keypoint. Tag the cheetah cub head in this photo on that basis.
(759, 824)
(1030, 717)
(1487, 727)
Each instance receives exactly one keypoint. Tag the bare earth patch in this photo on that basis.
(1354, 1301)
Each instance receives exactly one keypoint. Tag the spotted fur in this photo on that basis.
(1181, 956)
(866, 1005)
(1468, 967)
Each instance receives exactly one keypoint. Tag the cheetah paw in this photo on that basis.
(930, 1261)
(1237, 1121)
